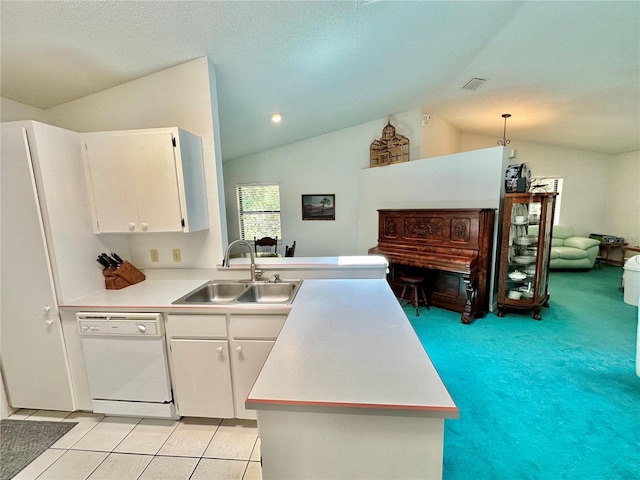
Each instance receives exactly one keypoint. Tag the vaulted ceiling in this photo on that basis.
(568, 72)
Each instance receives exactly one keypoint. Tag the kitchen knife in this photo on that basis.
(103, 262)
(112, 263)
(117, 258)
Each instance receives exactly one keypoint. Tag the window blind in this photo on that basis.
(259, 211)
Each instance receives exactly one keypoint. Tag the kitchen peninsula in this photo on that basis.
(347, 389)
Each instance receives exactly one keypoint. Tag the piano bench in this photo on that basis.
(415, 284)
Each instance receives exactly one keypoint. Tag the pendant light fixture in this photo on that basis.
(504, 142)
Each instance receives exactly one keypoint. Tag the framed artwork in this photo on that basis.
(319, 207)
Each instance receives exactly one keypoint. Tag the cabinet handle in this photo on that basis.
(132, 227)
(219, 349)
(239, 349)
(144, 227)
(47, 309)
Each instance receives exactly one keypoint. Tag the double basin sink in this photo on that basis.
(218, 292)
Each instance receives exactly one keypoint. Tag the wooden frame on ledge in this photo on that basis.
(319, 207)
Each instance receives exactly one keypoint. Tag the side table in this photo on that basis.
(625, 249)
(605, 252)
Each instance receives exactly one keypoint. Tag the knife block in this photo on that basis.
(123, 276)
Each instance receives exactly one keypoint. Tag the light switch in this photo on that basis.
(177, 257)
(154, 255)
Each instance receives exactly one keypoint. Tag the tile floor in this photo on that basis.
(123, 448)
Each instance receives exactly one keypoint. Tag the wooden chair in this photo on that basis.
(289, 251)
(266, 246)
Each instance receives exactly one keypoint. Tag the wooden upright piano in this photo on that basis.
(450, 248)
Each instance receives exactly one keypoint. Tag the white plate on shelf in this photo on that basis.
(517, 276)
(524, 260)
(523, 241)
(520, 223)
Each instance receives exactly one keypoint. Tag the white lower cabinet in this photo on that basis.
(202, 379)
(200, 368)
(247, 358)
(251, 337)
(212, 368)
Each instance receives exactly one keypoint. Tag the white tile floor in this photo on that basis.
(122, 448)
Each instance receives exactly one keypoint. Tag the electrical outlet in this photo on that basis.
(177, 257)
(154, 255)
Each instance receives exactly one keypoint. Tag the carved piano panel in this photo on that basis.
(451, 248)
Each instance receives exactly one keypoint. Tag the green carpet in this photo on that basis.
(551, 399)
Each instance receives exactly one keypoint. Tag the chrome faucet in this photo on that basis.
(225, 262)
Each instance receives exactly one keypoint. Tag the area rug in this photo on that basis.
(22, 441)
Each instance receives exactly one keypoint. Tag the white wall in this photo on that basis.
(588, 198)
(11, 111)
(182, 96)
(465, 180)
(438, 137)
(623, 197)
(322, 165)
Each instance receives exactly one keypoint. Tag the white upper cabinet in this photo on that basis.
(146, 181)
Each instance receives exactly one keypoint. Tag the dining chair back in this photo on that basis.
(266, 246)
(289, 251)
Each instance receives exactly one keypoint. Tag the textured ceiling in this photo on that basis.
(568, 72)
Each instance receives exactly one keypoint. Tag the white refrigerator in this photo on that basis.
(47, 253)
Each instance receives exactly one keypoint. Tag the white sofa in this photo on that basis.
(569, 251)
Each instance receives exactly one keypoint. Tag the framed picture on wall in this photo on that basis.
(319, 207)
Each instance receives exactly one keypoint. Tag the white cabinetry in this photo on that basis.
(199, 358)
(213, 370)
(252, 337)
(146, 181)
(46, 246)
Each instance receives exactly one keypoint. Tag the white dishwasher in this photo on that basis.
(126, 360)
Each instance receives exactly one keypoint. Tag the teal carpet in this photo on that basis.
(551, 399)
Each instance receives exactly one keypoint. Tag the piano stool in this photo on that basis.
(415, 284)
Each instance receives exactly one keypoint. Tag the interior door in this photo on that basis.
(32, 347)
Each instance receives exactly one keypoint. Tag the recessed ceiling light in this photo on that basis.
(276, 118)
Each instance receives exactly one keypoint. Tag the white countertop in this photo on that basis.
(347, 344)
(158, 295)
(146, 294)
(286, 263)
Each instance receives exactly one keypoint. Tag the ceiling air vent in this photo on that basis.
(474, 83)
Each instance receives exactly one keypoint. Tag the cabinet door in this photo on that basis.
(247, 358)
(34, 361)
(156, 182)
(201, 378)
(111, 177)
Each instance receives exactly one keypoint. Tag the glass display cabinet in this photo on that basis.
(525, 247)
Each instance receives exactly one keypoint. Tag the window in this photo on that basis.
(259, 210)
(549, 184)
